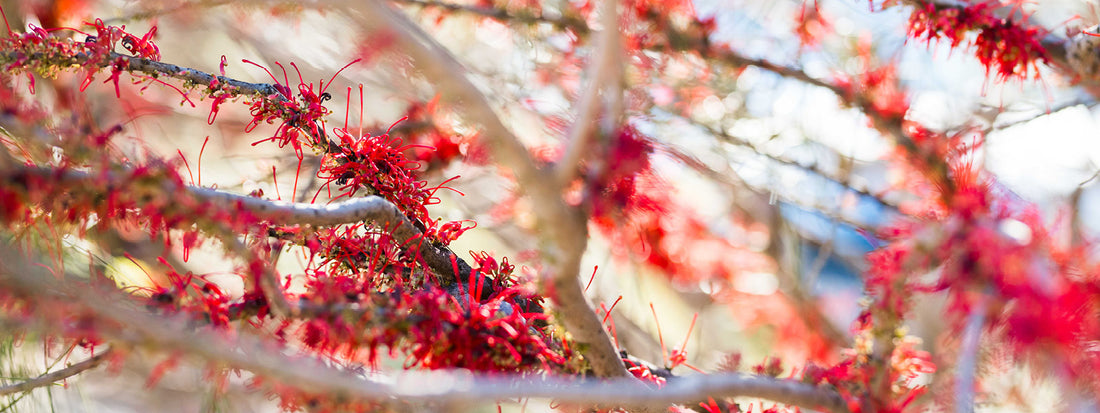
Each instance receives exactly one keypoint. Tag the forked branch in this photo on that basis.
(563, 228)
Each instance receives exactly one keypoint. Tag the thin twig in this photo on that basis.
(793, 287)
(56, 376)
(731, 178)
(564, 22)
(813, 168)
(968, 357)
(996, 127)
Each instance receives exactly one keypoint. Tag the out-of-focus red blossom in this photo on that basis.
(887, 276)
(854, 376)
(907, 363)
(435, 143)
(59, 13)
(1011, 49)
(644, 8)
(1046, 302)
(631, 205)
(795, 339)
(984, 244)
(614, 193)
(876, 85)
(691, 97)
(771, 366)
(446, 149)
(375, 45)
(192, 296)
(811, 25)
(637, 212)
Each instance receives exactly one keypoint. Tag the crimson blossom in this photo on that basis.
(636, 205)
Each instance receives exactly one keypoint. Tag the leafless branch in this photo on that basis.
(792, 284)
(1088, 103)
(563, 22)
(729, 178)
(812, 168)
(181, 6)
(605, 77)
(696, 41)
(968, 358)
(56, 376)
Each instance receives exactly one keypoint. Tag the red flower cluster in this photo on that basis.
(485, 328)
(38, 50)
(364, 291)
(304, 114)
(434, 141)
(378, 165)
(992, 255)
(1011, 49)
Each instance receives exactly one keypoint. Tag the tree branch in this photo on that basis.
(813, 168)
(968, 357)
(373, 209)
(563, 228)
(791, 284)
(125, 324)
(696, 41)
(605, 77)
(56, 376)
(564, 22)
(450, 77)
(158, 69)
